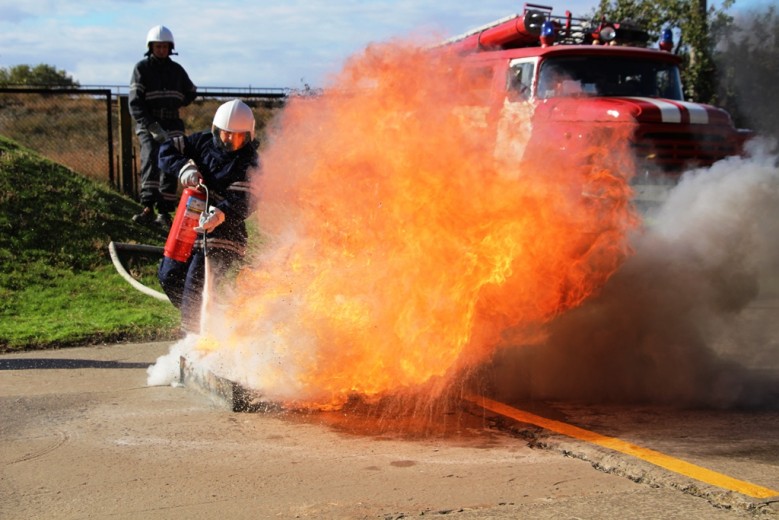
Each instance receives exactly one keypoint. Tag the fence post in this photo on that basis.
(109, 125)
(126, 172)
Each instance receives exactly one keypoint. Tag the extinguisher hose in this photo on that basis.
(206, 261)
(205, 234)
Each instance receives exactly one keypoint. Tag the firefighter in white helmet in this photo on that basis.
(158, 88)
(222, 160)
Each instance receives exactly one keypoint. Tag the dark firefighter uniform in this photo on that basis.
(226, 175)
(158, 88)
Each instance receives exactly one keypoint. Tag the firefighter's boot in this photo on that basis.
(144, 217)
(164, 221)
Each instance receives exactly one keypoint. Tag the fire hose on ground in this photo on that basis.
(115, 248)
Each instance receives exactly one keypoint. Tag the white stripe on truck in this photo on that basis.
(671, 113)
(698, 114)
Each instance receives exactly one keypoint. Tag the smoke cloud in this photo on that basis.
(689, 319)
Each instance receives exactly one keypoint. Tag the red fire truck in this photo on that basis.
(573, 77)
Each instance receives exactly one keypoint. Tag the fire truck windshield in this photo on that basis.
(608, 76)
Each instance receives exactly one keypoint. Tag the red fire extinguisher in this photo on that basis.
(182, 235)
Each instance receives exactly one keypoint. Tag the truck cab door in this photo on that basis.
(517, 108)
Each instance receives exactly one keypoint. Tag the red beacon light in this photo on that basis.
(667, 41)
(548, 33)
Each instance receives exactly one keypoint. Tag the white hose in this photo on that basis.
(124, 274)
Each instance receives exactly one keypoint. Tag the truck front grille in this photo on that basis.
(673, 150)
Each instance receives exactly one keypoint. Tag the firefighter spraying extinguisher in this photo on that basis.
(182, 235)
(213, 168)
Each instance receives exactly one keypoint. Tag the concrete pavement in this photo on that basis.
(82, 436)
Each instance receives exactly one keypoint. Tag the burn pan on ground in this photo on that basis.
(223, 392)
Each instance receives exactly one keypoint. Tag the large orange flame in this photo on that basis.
(401, 245)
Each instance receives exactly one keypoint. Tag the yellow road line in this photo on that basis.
(655, 457)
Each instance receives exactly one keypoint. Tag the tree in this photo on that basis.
(694, 20)
(41, 75)
(747, 56)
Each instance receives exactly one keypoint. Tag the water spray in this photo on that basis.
(206, 260)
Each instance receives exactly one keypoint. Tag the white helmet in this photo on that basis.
(234, 116)
(159, 33)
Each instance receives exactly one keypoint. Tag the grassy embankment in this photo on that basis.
(58, 286)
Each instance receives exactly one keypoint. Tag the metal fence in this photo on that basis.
(90, 130)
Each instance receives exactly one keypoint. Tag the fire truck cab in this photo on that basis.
(571, 77)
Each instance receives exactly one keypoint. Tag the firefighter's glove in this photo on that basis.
(189, 175)
(210, 219)
(157, 132)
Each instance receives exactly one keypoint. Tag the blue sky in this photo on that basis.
(227, 44)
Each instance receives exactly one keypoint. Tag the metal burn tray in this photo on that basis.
(222, 391)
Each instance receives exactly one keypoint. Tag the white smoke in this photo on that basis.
(688, 319)
(166, 370)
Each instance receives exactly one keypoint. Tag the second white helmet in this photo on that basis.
(234, 116)
(159, 33)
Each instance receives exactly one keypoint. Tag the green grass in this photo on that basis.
(58, 286)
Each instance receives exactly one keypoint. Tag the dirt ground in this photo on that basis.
(83, 436)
